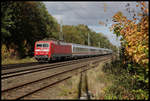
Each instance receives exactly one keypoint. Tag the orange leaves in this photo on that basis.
(134, 35)
(143, 4)
(136, 58)
(142, 8)
(140, 14)
(117, 17)
(101, 23)
(137, 5)
(105, 7)
(146, 10)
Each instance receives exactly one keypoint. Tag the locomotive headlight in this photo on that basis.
(46, 50)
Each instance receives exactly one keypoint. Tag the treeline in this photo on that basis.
(24, 23)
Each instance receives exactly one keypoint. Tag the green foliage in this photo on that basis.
(25, 22)
(125, 86)
(6, 21)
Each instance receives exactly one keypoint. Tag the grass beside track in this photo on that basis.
(15, 60)
(96, 81)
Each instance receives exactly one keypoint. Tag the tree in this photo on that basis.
(134, 41)
(6, 21)
(25, 22)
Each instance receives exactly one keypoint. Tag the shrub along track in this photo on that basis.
(24, 89)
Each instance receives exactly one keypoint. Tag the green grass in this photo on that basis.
(15, 60)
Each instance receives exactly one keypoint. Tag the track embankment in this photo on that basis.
(18, 83)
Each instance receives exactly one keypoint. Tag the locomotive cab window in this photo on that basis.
(39, 45)
(42, 45)
(45, 45)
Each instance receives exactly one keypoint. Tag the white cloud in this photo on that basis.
(86, 12)
(89, 13)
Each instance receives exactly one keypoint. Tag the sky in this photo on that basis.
(90, 13)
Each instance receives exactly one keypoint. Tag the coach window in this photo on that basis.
(81, 49)
(78, 49)
(75, 49)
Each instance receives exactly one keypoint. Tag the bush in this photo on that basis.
(4, 52)
(124, 86)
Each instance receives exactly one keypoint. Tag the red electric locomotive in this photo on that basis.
(55, 50)
(51, 50)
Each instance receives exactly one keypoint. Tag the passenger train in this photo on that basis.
(55, 50)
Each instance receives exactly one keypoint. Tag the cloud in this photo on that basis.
(105, 31)
(89, 13)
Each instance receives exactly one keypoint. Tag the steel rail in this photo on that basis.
(12, 88)
(54, 83)
(36, 69)
(18, 65)
(6, 90)
(12, 66)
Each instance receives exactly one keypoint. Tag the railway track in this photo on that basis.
(23, 90)
(38, 67)
(12, 66)
(18, 65)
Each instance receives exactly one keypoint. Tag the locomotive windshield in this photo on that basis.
(39, 45)
(42, 45)
(45, 45)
